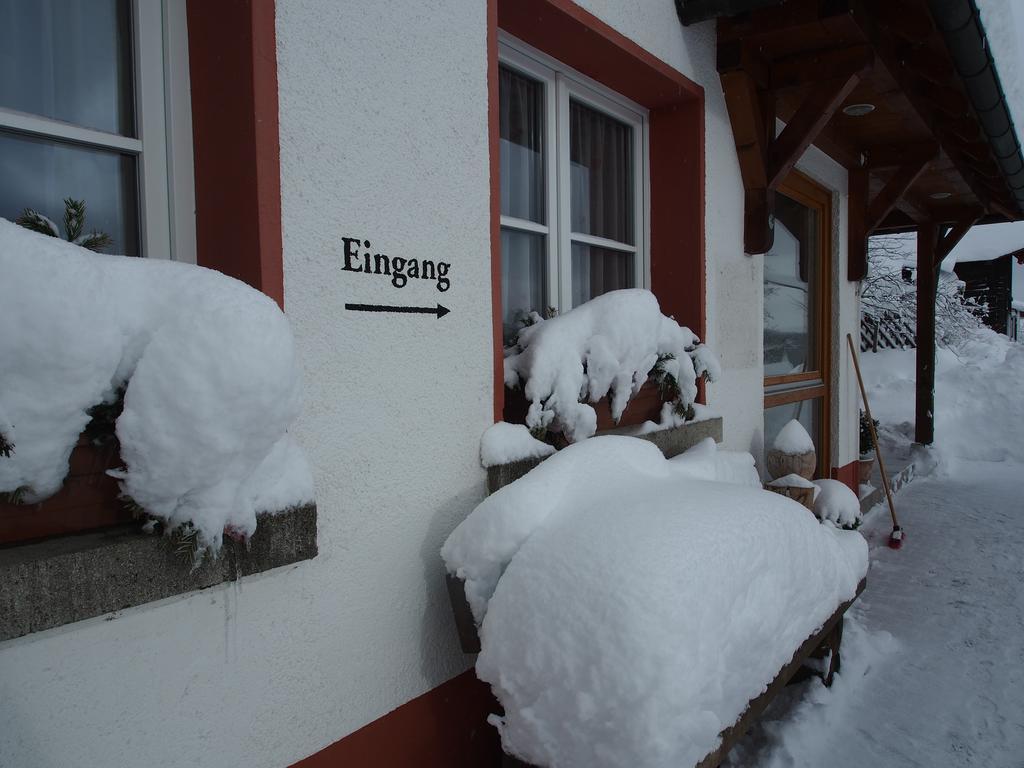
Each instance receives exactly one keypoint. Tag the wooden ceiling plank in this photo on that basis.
(819, 65)
(885, 50)
(894, 155)
(800, 132)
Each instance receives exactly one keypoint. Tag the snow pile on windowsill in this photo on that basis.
(210, 370)
(607, 346)
(631, 606)
(504, 443)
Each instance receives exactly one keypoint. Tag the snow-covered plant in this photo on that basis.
(206, 366)
(867, 446)
(74, 226)
(606, 346)
(889, 292)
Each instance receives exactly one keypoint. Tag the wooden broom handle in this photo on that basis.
(874, 437)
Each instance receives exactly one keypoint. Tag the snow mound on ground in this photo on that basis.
(835, 502)
(503, 443)
(641, 606)
(978, 390)
(210, 370)
(606, 346)
(793, 439)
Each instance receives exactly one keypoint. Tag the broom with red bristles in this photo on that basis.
(896, 537)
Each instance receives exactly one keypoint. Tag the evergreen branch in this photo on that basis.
(36, 222)
(17, 496)
(95, 241)
(74, 218)
(6, 446)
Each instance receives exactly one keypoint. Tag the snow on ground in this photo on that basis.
(979, 389)
(632, 605)
(933, 655)
(209, 366)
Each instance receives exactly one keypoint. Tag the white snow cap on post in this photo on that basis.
(606, 346)
(793, 439)
(210, 370)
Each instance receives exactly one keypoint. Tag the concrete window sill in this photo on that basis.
(70, 578)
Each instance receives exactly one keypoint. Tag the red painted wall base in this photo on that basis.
(444, 728)
(847, 474)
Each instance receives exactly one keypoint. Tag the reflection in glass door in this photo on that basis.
(797, 314)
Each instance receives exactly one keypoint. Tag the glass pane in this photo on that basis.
(807, 412)
(790, 291)
(600, 174)
(599, 270)
(38, 174)
(523, 278)
(70, 60)
(521, 130)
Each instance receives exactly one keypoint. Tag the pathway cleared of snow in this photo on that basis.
(933, 657)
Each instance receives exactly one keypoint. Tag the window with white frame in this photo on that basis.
(573, 179)
(94, 106)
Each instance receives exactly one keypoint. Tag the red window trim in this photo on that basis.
(232, 50)
(579, 39)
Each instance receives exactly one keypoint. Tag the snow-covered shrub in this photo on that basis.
(207, 365)
(608, 345)
(836, 503)
(889, 293)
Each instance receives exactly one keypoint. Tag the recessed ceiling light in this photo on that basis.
(858, 110)
(940, 195)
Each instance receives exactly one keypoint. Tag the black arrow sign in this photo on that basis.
(439, 310)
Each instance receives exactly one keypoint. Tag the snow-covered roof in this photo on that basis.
(987, 242)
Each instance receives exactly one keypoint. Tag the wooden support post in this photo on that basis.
(857, 232)
(752, 114)
(927, 285)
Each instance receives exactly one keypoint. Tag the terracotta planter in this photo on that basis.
(86, 501)
(781, 464)
(864, 466)
(644, 406)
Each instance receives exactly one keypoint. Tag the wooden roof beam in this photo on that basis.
(803, 128)
(897, 187)
(954, 235)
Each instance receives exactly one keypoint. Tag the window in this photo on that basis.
(573, 187)
(85, 87)
(797, 319)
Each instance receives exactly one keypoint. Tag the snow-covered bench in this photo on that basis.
(643, 611)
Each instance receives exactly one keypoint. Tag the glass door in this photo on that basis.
(797, 314)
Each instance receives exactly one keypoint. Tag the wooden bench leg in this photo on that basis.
(834, 659)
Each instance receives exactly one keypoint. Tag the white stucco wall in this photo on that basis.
(384, 137)
(735, 294)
